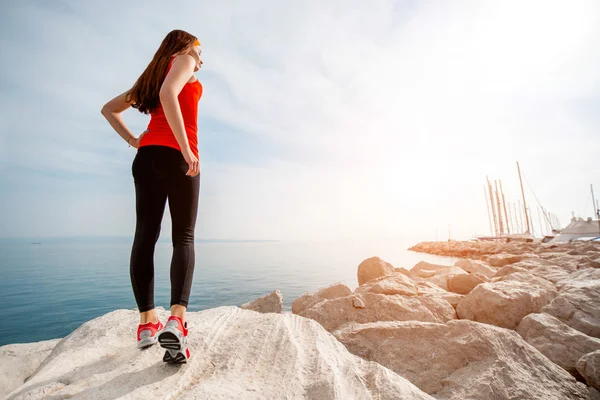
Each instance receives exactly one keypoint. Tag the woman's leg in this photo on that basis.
(151, 198)
(183, 194)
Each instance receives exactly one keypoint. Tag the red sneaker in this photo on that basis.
(174, 338)
(147, 333)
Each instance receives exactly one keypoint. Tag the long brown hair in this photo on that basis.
(145, 91)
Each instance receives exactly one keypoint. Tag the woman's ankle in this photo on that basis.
(148, 316)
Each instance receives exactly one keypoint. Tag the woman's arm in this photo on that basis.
(112, 112)
(180, 73)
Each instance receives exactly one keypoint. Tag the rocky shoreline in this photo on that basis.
(507, 321)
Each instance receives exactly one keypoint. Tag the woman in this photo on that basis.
(166, 167)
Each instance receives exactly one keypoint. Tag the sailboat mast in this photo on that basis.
(493, 208)
(528, 232)
(500, 224)
(487, 205)
(504, 204)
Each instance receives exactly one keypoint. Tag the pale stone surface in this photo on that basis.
(429, 289)
(582, 275)
(270, 303)
(473, 266)
(577, 305)
(372, 268)
(397, 283)
(330, 292)
(589, 367)
(509, 269)
(437, 276)
(463, 284)
(504, 303)
(528, 277)
(401, 270)
(379, 307)
(556, 340)
(500, 260)
(236, 354)
(462, 360)
(423, 265)
(19, 361)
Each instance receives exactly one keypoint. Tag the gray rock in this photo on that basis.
(372, 268)
(330, 292)
(504, 303)
(589, 367)
(270, 303)
(557, 341)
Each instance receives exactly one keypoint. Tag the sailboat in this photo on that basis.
(581, 229)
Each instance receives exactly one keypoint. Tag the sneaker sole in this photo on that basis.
(174, 357)
(146, 342)
(170, 340)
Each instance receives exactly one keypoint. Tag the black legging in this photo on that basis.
(159, 174)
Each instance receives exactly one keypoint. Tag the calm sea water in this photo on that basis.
(51, 288)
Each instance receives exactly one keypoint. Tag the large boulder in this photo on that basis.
(270, 303)
(500, 260)
(463, 283)
(429, 289)
(370, 307)
(397, 283)
(437, 274)
(578, 305)
(589, 367)
(462, 360)
(473, 266)
(430, 269)
(236, 354)
(328, 293)
(528, 277)
(509, 269)
(556, 340)
(372, 268)
(504, 303)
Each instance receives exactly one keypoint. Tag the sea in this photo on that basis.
(49, 287)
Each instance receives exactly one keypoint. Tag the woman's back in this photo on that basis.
(159, 131)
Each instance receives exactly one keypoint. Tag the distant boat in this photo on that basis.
(579, 229)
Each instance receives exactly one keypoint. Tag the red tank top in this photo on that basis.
(160, 133)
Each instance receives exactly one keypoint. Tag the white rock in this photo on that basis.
(397, 283)
(473, 266)
(423, 265)
(578, 305)
(379, 307)
(504, 303)
(556, 340)
(236, 354)
(19, 361)
(463, 283)
(582, 275)
(462, 360)
(372, 268)
(500, 260)
(428, 289)
(328, 293)
(270, 303)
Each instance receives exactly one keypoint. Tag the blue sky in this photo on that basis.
(319, 120)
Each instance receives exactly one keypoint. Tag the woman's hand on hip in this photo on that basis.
(193, 162)
(135, 142)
